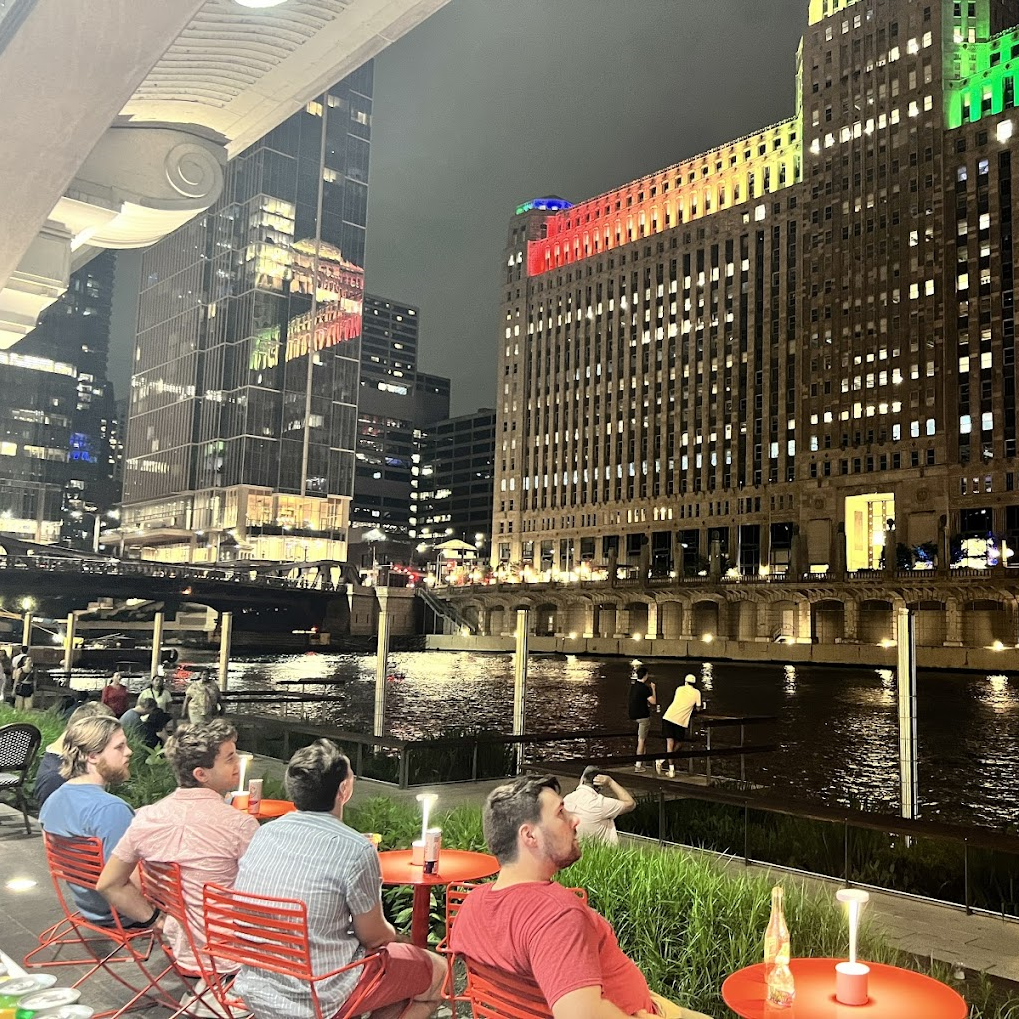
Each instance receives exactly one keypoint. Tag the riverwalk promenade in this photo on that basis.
(976, 944)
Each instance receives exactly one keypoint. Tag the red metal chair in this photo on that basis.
(162, 886)
(269, 933)
(79, 861)
(455, 895)
(497, 994)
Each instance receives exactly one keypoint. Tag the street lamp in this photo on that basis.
(374, 536)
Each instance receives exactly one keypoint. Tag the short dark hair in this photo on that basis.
(642, 673)
(315, 774)
(508, 807)
(197, 746)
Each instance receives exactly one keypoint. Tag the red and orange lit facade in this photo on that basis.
(794, 350)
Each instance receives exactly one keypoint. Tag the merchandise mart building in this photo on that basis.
(243, 406)
(793, 350)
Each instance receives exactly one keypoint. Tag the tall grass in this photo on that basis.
(921, 866)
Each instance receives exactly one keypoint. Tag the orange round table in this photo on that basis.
(454, 865)
(894, 993)
(267, 809)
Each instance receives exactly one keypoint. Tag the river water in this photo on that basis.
(836, 728)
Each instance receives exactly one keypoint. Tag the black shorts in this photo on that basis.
(672, 731)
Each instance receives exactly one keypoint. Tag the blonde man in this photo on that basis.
(48, 778)
(95, 754)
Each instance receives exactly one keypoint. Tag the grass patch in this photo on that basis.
(929, 867)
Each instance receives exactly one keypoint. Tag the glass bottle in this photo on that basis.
(777, 975)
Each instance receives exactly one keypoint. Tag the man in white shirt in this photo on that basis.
(595, 810)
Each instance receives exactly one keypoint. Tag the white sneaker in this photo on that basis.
(672, 772)
(659, 766)
(638, 767)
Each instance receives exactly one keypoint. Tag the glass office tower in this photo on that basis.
(243, 399)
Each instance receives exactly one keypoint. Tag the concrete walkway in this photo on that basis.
(943, 933)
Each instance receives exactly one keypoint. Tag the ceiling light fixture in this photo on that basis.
(260, 3)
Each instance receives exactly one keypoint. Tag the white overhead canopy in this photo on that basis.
(119, 116)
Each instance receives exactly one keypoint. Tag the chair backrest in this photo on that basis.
(19, 743)
(257, 930)
(455, 895)
(78, 859)
(497, 994)
(161, 885)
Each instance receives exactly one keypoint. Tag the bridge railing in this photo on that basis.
(173, 571)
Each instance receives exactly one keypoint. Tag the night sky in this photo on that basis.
(492, 102)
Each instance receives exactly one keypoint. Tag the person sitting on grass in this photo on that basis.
(527, 924)
(192, 827)
(95, 754)
(132, 718)
(595, 811)
(48, 778)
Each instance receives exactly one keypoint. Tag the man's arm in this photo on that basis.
(373, 930)
(653, 699)
(586, 1003)
(116, 886)
(624, 799)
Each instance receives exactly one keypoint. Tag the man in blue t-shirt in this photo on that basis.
(95, 754)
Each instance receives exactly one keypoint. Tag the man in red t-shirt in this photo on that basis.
(527, 924)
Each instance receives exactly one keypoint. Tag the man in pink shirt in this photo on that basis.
(192, 827)
(527, 924)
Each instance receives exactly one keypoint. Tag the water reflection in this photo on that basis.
(837, 728)
(708, 676)
(790, 679)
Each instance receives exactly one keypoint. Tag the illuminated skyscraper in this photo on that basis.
(452, 495)
(60, 416)
(243, 401)
(395, 400)
(797, 349)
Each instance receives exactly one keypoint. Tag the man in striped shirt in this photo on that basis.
(313, 856)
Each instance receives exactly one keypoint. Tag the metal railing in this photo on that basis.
(446, 610)
(467, 757)
(134, 568)
(976, 869)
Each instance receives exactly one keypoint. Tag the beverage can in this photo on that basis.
(254, 795)
(433, 844)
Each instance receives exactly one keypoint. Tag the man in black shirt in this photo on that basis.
(642, 696)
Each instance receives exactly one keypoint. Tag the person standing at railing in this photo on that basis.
(23, 678)
(159, 693)
(115, 695)
(676, 720)
(643, 696)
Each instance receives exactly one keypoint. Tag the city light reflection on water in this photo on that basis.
(837, 728)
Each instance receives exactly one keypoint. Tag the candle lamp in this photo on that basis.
(427, 801)
(245, 760)
(851, 977)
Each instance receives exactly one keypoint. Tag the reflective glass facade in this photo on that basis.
(243, 399)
